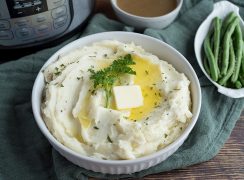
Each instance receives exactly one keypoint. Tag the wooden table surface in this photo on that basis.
(228, 164)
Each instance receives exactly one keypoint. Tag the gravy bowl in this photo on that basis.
(141, 22)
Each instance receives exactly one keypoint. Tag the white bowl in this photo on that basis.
(163, 51)
(221, 9)
(146, 22)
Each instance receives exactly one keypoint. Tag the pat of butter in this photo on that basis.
(127, 97)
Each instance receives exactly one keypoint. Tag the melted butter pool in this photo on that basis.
(147, 76)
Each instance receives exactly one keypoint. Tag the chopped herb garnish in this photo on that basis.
(78, 78)
(93, 92)
(105, 55)
(107, 77)
(109, 140)
(57, 73)
(147, 118)
(165, 135)
(95, 127)
(61, 85)
(146, 72)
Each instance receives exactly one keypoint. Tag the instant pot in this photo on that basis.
(33, 23)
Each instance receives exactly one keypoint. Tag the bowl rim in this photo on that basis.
(42, 126)
(143, 18)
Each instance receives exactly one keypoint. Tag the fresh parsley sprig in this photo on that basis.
(108, 76)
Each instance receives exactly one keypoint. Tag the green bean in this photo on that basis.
(216, 38)
(242, 59)
(205, 59)
(219, 64)
(232, 65)
(238, 84)
(241, 79)
(226, 45)
(229, 18)
(212, 39)
(217, 27)
(205, 65)
(210, 57)
(238, 46)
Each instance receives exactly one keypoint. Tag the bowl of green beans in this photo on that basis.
(219, 49)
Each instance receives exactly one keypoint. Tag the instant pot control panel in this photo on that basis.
(29, 21)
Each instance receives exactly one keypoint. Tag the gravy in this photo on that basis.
(147, 8)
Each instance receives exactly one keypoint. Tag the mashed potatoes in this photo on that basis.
(75, 112)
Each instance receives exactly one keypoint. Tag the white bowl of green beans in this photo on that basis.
(219, 49)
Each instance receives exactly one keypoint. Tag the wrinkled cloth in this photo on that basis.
(26, 154)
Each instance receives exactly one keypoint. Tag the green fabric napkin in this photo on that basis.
(26, 154)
